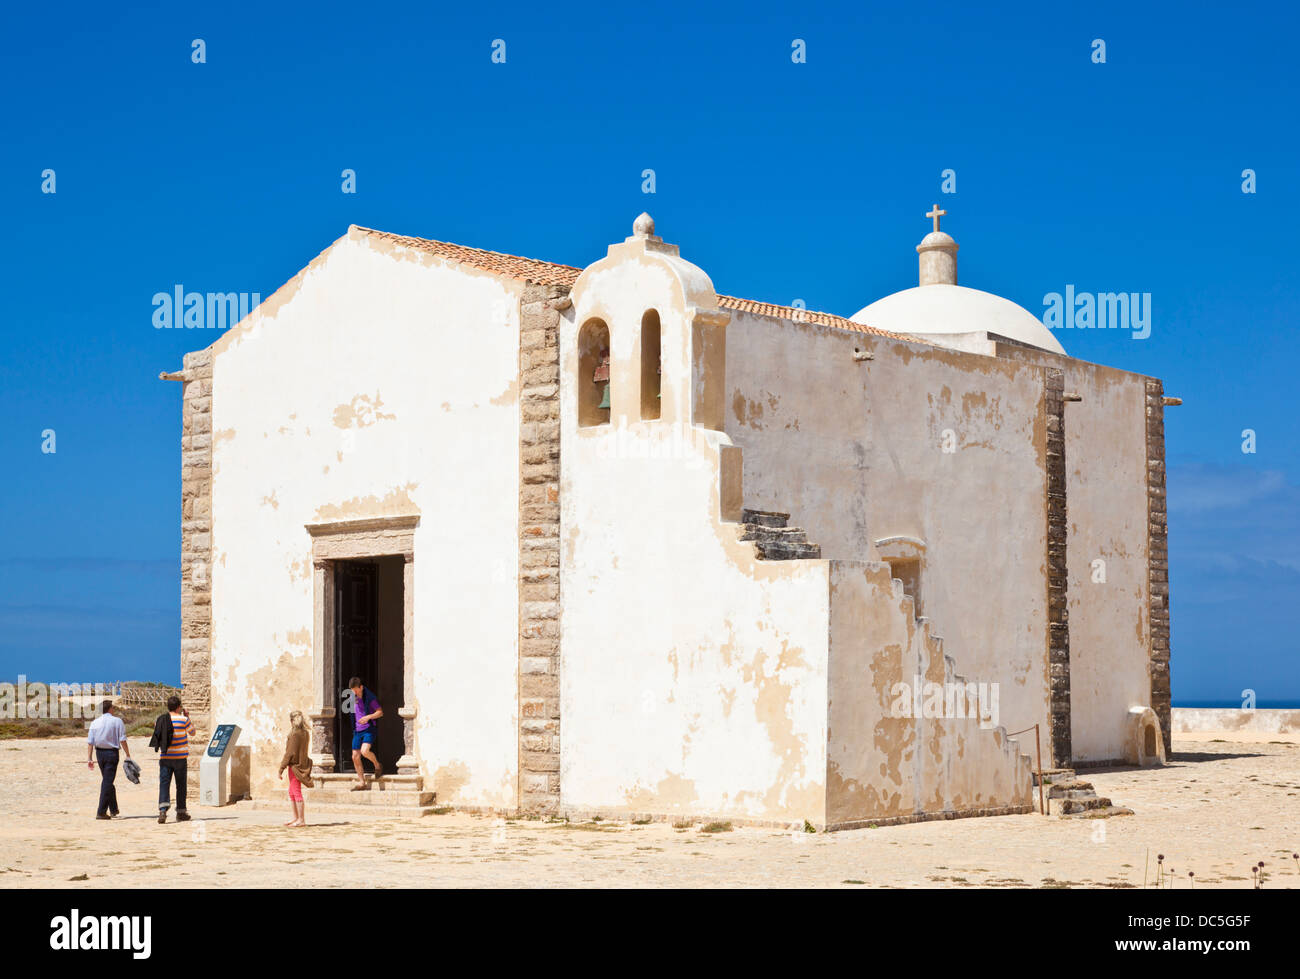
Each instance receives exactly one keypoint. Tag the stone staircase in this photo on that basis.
(392, 795)
(773, 539)
(941, 764)
(1076, 799)
(1016, 758)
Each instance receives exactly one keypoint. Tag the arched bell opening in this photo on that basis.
(593, 374)
(651, 366)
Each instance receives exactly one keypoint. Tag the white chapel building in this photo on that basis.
(604, 540)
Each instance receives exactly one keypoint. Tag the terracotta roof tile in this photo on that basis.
(548, 273)
(514, 266)
(801, 316)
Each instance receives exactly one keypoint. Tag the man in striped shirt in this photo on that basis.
(173, 762)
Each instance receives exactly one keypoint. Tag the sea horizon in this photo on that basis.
(1236, 704)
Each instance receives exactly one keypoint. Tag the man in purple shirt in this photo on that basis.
(366, 712)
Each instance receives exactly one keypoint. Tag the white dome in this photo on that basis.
(944, 310)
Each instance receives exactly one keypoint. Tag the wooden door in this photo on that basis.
(356, 643)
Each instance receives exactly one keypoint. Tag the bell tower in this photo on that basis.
(938, 254)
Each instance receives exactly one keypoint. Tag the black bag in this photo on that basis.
(162, 733)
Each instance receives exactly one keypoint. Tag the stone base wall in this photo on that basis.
(196, 555)
(1158, 559)
(196, 533)
(539, 550)
(1058, 615)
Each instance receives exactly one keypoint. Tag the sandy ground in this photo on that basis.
(1218, 809)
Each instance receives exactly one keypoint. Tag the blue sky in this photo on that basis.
(783, 181)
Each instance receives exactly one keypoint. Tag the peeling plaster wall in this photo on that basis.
(1106, 471)
(1189, 720)
(694, 675)
(882, 766)
(694, 678)
(854, 451)
(378, 382)
(797, 406)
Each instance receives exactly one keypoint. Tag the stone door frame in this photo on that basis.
(350, 540)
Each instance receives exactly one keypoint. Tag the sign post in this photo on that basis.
(214, 787)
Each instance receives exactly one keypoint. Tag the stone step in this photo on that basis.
(1052, 775)
(765, 518)
(789, 535)
(1070, 807)
(1062, 790)
(348, 779)
(342, 797)
(1104, 812)
(317, 809)
(774, 551)
(1071, 795)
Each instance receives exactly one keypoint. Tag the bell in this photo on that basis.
(604, 399)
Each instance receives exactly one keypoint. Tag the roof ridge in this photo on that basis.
(554, 273)
(798, 314)
(450, 249)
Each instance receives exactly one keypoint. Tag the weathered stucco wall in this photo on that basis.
(697, 680)
(886, 764)
(378, 382)
(694, 678)
(694, 675)
(855, 450)
(1106, 472)
(1190, 720)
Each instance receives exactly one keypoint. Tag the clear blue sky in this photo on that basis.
(783, 181)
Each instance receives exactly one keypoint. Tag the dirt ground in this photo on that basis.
(1218, 809)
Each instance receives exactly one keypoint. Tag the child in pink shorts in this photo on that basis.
(297, 759)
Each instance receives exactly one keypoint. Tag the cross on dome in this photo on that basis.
(936, 214)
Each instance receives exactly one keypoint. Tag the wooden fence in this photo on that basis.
(133, 695)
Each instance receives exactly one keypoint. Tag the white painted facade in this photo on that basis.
(695, 679)
(380, 386)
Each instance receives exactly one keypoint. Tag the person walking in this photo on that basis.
(365, 712)
(105, 742)
(171, 736)
(297, 760)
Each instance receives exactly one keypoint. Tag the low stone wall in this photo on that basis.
(1187, 720)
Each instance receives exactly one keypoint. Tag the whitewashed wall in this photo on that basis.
(1106, 500)
(855, 451)
(694, 676)
(378, 383)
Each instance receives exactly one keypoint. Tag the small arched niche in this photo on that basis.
(651, 366)
(906, 559)
(593, 382)
(1146, 746)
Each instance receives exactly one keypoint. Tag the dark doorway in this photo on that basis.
(368, 642)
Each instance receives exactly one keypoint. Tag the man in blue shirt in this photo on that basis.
(106, 735)
(365, 713)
